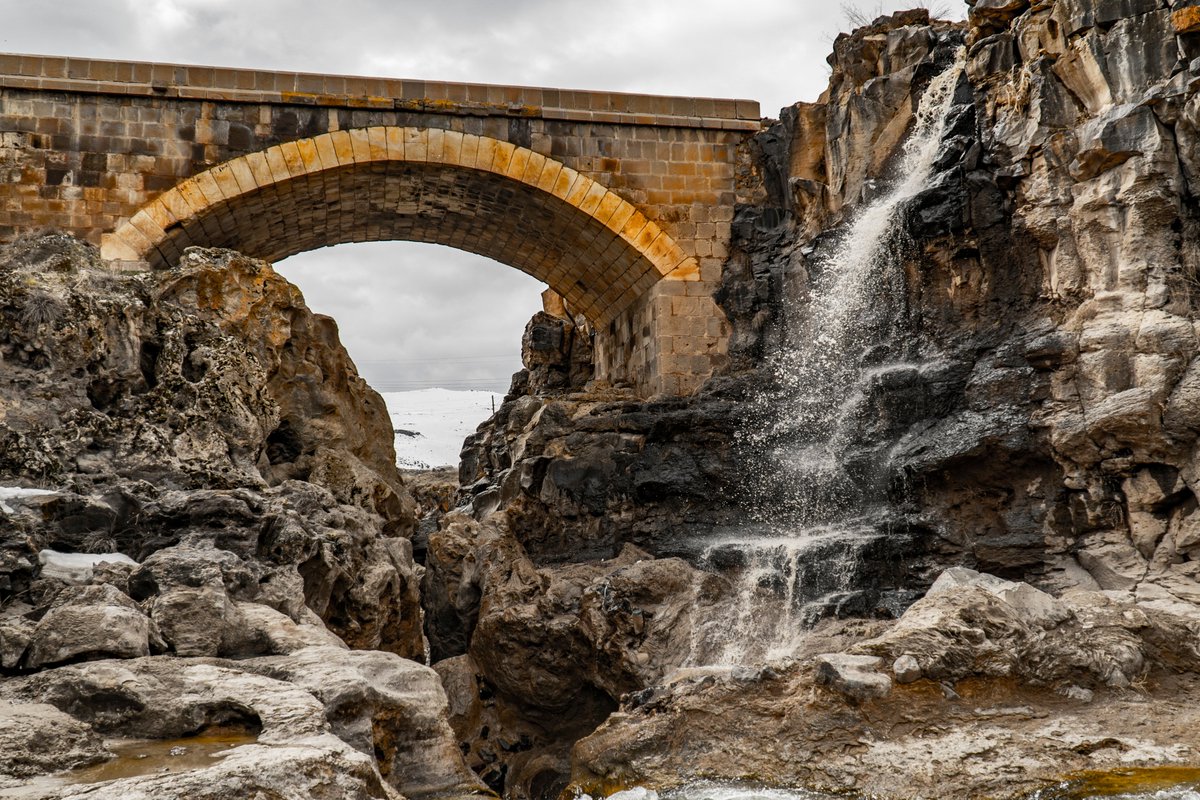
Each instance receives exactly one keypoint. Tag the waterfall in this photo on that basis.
(812, 493)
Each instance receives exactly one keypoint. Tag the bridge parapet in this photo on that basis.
(143, 79)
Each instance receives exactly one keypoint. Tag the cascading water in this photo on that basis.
(814, 494)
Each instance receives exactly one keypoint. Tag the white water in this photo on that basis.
(824, 371)
(805, 556)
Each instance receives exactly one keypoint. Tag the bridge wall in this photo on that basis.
(84, 144)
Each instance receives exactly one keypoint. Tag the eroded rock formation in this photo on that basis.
(1026, 411)
(1024, 431)
(213, 481)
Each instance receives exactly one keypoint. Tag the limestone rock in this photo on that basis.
(907, 669)
(910, 743)
(854, 676)
(206, 414)
(241, 384)
(306, 767)
(90, 622)
(384, 706)
(37, 738)
(973, 624)
(16, 631)
(254, 629)
(368, 724)
(1036, 607)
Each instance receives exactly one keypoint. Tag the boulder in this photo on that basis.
(306, 767)
(907, 669)
(91, 622)
(385, 706)
(77, 567)
(37, 738)
(1035, 606)
(16, 631)
(854, 676)
(323, 719)
(973, 624)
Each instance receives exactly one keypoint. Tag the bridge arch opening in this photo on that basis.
(470, 192)
(416, 316)
(436, 331)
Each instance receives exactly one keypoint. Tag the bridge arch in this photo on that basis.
(467, 191)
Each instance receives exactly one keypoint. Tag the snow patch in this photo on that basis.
(77, 567)
(16, 492)
(431, 424)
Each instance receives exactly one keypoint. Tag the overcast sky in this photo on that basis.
(418, 315)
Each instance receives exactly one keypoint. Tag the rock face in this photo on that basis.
(1024, 416)
(1020, 445)
(1039, 427)
(213, 375)
(218, 519)
(535, 657)
(581, 475)
(203, 422)
(38, 738)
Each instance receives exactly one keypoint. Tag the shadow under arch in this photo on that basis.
(470, 192)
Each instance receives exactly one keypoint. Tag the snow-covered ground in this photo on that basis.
(15, 492)
(440, 420)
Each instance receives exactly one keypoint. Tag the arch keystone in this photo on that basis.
(310, 161)
(260, 170)
(468, 151)
(395, 144)
(360, 144)
(278, 164)
(328, 153)
(435, 139)
(416, 144)
(452, 142)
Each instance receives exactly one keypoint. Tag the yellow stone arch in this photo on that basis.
(472, 192)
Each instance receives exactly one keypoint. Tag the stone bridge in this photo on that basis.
(621, 203)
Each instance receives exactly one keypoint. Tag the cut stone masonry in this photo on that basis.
(621, 203)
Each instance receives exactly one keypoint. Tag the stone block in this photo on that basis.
(1186, 20)
(855, 676)
(907, 669)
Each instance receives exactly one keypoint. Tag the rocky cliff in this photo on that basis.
(199, 514)
(1024, 409)
(1013, 436)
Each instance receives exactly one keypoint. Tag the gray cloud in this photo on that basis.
(414, 315)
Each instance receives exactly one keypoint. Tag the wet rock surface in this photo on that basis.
(533, 657)
(1022, 419)
(978, 738)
